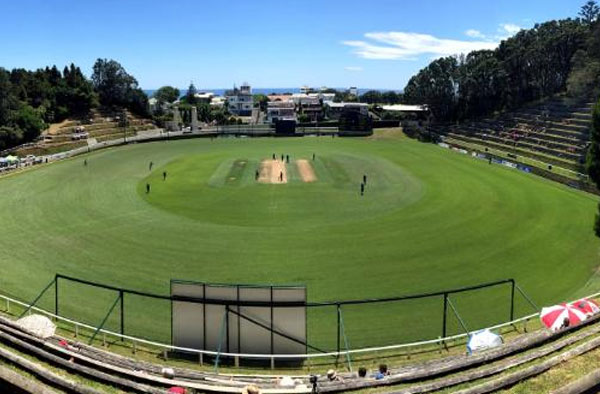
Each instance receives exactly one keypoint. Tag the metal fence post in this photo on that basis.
(338, 332)
(512, 300)
(121, 295)
(56, 295)
(445, 315)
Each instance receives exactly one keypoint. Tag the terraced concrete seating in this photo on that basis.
(418, 377)
(554, 132)
(99, 124)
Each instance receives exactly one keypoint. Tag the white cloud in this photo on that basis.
(510, 28)
(409, 46)
(474, 33)
(353, 68)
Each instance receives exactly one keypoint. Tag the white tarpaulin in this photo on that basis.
(482, 340)
(37, 325)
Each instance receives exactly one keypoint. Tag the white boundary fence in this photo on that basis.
(272, 357)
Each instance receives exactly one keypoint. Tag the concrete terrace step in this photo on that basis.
(511, 143)
(501, 363)
(541, 138)
(564, 139)
(567, 123)
(569, 164)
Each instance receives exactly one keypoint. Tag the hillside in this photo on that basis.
(97, 126)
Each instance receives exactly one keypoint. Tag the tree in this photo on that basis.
(480, 83)
(9, 137)
(112, 82)
(75, 92)
(7, 99)
(116, 87)
(371, 97)
(584, 80)
(261, 100)
(137, 102)
(589, 12)
(204, 112)
(435, 85)
(167, 94)
(531, 65)
(30, 122)
(391, 97)
(190, 96)
(593, 158)
(344, 96)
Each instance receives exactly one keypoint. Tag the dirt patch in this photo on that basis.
(306, 171)
(54, 127)
(272, 171)
(387, 133)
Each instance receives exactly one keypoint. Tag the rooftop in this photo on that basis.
(405, 108)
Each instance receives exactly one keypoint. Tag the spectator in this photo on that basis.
(251, 389)
(362, 372)
(383, 372)
(332, 376)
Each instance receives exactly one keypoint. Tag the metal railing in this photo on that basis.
(167, 347)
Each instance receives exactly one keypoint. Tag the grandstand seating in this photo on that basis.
(522, 357)
(100, 124)
(554, 132)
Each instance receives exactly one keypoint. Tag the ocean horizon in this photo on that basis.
(221, 92)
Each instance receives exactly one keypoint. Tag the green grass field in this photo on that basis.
(430, 219)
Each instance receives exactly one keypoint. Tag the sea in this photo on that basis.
(266, 91)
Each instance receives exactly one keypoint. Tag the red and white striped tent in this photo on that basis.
(554, 317)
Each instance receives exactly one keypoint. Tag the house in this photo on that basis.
(204, 97)
(313, 111)
(154, 105)
(413, 117)
(279, 97)
(239, 100)
(353, 91)
(334, 110)
(326, 96)
(217, 101)
(305, 99)
(355, 117)
(280, 110)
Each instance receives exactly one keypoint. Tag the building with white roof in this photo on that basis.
(334, 110)
(240, 101)
(405, 108)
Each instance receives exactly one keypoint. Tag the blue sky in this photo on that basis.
(283, 43)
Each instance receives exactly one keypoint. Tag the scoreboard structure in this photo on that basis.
(239, 318)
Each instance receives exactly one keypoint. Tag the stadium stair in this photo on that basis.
(554, 132)
(100, 124)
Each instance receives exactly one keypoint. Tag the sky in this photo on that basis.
(267, 43)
